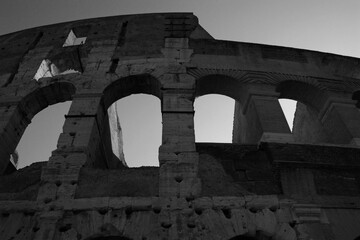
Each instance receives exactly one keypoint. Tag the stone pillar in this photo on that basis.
(79, 144)
(307, 126)
(177, 155)
(48, 221)
(341, 120)
(13, 122)
(260, 119)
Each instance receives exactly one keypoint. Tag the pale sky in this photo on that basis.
(321, 25)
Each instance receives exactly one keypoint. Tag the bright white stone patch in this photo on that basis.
(72, 40)
(48, 69)
(45, 70)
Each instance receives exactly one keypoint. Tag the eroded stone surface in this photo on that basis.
(270, 184)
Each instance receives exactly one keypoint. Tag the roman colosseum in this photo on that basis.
(269, 183)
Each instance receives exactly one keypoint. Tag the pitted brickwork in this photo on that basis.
(271, 183)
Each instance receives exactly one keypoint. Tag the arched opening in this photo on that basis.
(223, 94)
(40, 137)
(123, 87)
(214, 116)
(139, 118)
(220, 84)
(19, 116)
(303, 92)
(303, 101)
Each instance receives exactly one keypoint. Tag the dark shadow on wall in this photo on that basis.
(356, 96)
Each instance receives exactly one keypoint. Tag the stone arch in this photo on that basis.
(223, 85)
(303, 92)
(45, 96)
(144, 83)
(123, 87)
(310, 102)
(220, 84)
(19, 116)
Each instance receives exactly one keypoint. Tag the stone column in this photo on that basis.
(48, 221)
(13, 122)
(341, 120)
(177, 155)
(79, 144)
(260, 119)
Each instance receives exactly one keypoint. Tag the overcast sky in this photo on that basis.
(321, 25)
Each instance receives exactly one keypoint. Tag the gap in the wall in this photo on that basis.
(289, 107)
(214, 117)
(141, 123)
(41, 136)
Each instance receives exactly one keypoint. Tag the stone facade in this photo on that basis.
(271, 183)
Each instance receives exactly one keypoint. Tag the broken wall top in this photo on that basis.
(134, 39)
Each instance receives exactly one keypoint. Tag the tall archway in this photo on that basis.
(41, 135)
(226, 86)
(140, 120)
(117, 93)
(17, 117)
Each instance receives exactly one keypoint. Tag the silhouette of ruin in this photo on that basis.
(270, 183)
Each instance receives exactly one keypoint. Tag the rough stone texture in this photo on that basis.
(131, 182)
(244, 170)
(269, 184)
(306, 127)
(22, 184)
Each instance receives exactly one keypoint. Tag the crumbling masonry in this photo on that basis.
(271, 183)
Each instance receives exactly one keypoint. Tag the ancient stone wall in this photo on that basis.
(271, 183)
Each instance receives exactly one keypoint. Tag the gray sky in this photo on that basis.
(321, 25)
